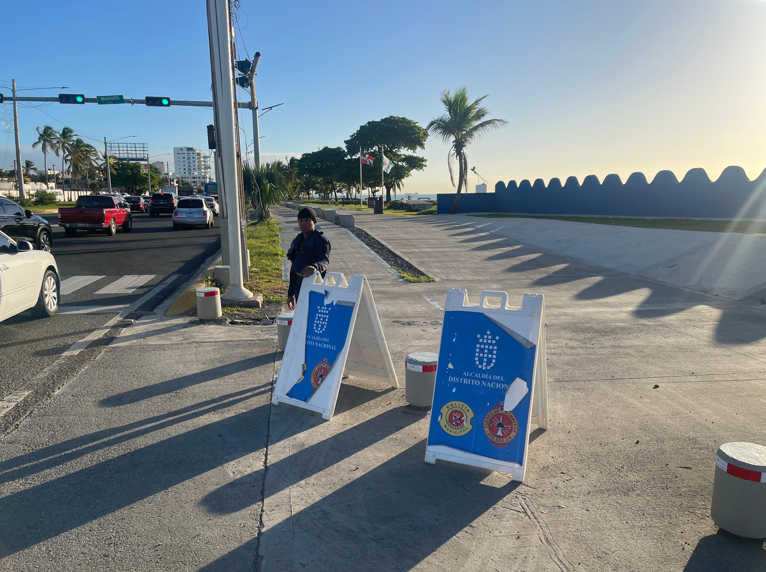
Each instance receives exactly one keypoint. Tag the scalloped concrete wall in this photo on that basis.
(732, 195)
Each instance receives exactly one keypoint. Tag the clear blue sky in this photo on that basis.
(588, 86)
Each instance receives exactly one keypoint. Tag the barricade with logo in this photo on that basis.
(336, 328)
(491, 383)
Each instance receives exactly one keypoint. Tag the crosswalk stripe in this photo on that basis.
(76, 282)
(127, 284)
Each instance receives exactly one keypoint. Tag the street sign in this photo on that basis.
(491, 383)
(335, 330)
(109, 99)
(211, 188)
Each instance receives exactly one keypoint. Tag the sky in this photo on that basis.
(587, 86)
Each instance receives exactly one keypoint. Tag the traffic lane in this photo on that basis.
(153, 247)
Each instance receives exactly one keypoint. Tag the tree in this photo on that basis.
(82, 157)
(395, 134)
(462, 123)
(265, 187)
(65, 139)
(47, 139)
(29, 166)
(329, 167)
(129, 175)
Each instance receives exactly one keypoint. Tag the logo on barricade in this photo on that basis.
(320, 373)
(500, 426)
(456, 418)
(321, 318)
(486, 351)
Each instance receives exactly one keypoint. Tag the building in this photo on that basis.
(192, 165)
(163, 167)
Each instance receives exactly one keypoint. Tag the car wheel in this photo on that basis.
(48, 301)
(111, 230)
(70, 232)
(44, 241)
(127, 226)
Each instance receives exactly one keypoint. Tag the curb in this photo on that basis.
(184, 299)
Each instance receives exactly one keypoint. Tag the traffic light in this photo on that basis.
(1, 97)
(211, 137)
(243, 66)
(243, 81)
(75, 98)
(157, 101)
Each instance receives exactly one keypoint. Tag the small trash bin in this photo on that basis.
(420, 378)
(208, 303)
(739, 489)
(284, 321)
(378, 206)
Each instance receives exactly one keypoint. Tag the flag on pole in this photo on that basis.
(366, 159)
(388, 164)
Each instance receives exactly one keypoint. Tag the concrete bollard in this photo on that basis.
(420, 378)
(739, 489)
(208, 303)
(320, 212)
(329, 215)
(344, 220)
(223, 274)
(284, 321)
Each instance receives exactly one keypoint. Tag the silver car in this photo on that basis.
(212, 205)
(192, 211)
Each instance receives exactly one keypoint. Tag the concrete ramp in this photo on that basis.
(722, 264)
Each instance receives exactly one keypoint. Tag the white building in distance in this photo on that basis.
(163, 167)
(192, 165)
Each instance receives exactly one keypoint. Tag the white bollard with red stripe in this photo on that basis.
(739, 489)
(420, 378)
(208, 303)
(284, 321)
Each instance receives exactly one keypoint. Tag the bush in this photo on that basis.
(45, 198)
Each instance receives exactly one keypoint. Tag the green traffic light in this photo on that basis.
(165, 101)
(79, 99)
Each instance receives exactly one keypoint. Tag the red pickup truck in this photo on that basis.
(95, 212)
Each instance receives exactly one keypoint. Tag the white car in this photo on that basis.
(192, 211)
(28, 279)
(212, 205)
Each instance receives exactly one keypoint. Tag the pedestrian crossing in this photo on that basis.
(88, 288)
(127, 284)
(76, 282)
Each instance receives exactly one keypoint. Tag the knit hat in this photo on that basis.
(308, 212)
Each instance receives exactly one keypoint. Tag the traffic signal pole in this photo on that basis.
(19, 168)
(222, 68)
(254, 107)
(108, 168)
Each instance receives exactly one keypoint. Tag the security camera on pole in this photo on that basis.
(222, 67)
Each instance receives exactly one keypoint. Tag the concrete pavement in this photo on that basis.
(166, 455)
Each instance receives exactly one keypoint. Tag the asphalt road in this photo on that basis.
(102, 276)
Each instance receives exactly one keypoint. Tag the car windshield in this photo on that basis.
(95, 202)
(190, 204)
(166, 196)
(210, 199)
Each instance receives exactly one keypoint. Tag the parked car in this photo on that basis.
(28, 279)
(19, 223)
(137, 204)
(96, 212)
(192, 211)
(162, 203)
(212, 205)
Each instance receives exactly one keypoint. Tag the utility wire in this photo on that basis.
(64, 124)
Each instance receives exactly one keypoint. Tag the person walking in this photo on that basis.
(309, 253)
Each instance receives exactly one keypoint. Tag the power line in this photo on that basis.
(65, 125)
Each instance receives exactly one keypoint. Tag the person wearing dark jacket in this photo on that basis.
(309, 253)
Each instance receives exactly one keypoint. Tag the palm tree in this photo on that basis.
(29, 166)
(65, 140)
(462, 123)
(48, 140)
(264, 187)
(82, 157)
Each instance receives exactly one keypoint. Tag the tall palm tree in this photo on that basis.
(65, 140)
(462, 123)
(29, 166)
(48, 141)
(82, 156)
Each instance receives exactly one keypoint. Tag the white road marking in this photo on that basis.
(9, 401)
(92, 309)
(76, 282)
(432, 302)
(77, 347)
(127, 284)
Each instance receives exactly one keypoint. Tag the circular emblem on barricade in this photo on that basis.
(320, 373)
(456, 418)
(500, 426)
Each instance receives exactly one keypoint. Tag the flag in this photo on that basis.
(388, 164)
(366, 159)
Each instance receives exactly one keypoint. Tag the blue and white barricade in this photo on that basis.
(491, 383)
(336, 328)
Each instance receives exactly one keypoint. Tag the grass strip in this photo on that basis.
(704, 225)
(266, 254)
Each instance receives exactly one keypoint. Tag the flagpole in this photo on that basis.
(360, 177)
(382, 162)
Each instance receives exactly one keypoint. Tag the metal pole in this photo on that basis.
(360, 177)
(254, 107)
(219, 27)
(382, 186)
(108, 169)
(19, 170)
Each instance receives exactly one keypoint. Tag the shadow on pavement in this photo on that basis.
(724, 552)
